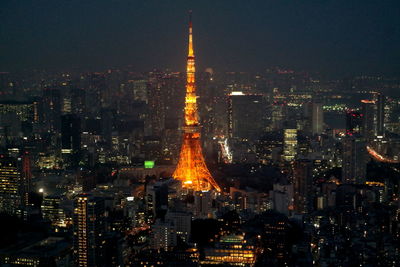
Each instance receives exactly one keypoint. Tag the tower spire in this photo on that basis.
(190, 51)
(191, 117)
(192, 169)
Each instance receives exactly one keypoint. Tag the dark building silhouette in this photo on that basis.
(70, 133)
(354, 160)
(380, 115)
(246, 113)
(354, 120)
(302, 185)
(368, 119)
(51, 110)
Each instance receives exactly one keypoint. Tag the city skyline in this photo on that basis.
(109, 163)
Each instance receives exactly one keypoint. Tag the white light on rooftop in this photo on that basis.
(237, 93)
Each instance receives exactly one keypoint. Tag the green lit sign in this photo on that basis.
(149, 164)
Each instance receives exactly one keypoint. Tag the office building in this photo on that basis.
(289, 144)
(182, 223)
(88, 230)
(51, 251)
(316, 118)
(50, 112)
(52, 211)
(354, 160)
(70, 133)
(246, 116)
(380, 115)
(232, 250)
(202, 204)
(368, 111)
(303, 185)
(11, 185)
(163, 235)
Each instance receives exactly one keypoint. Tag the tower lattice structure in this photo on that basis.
(192, 169)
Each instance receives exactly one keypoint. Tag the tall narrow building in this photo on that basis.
(303, 185)
(11, 188)
(192, 169)
(380, 115)
(368, 119)
(289, 144)
(317, 118)
(354, 163)
(88, 230)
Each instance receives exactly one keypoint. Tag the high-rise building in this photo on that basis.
(289, 144)
(192, 170)
(163, 235)
(282, 198)
(156, 120)
(182, 223)
(88, 230)
(52, 211)
(95, 87)
(202, 205)
(354, 121)
(317, 118)
(368, 119)
(26, 177)
(139, 88)
(70, 133)
(11, 185)
(278, 115)
(246, 116)
(51, 110)
(354, 164)
(380, 115)
(156, 198)
(302, 185)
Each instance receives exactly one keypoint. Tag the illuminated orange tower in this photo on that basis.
(192, 169)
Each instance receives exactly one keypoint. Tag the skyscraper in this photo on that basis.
(302, 185)
(26, 177)
(354, 164)
(51, 110)
(368, 119)
(380, 115)
(88, 230)
(70, 133)
(192, 169)
(11, 195)
(246, 116)
(317, 118)
(289, 144)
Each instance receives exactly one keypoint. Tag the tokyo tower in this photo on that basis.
(192, 169)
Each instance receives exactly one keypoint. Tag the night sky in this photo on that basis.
(332, 36)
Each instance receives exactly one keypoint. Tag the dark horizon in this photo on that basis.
(336, 38)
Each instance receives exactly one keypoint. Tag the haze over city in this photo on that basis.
(335, 37)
